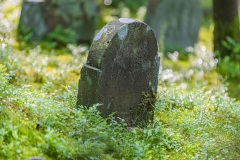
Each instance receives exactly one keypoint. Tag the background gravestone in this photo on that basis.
(64, 21)
(31, 24)
(121, 71)
(176, 23)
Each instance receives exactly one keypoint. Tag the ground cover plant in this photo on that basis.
(194, 116)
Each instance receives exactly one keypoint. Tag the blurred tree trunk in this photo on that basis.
(226, 24)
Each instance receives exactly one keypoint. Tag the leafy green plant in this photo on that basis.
(233, 47)
(229, 65)
(62, 36)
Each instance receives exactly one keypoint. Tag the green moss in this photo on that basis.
(89, 80)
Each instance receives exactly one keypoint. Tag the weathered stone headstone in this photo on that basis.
(121, 72)
(31, 24)
(65, 21)
(176, 23)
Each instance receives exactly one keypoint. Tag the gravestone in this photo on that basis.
(121, 72)
(175, 23)
(64, 21)
(31, 24)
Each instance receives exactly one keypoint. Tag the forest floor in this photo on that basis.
(195, 118)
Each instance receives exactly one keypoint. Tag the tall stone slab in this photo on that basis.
(31, 25)
(176, 23)
(121, 72)
(64, 21)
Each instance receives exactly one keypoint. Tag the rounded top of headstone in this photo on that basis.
(118, 32)
(113, 26)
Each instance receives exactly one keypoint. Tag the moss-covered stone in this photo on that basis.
(64, 21)
(124, 65)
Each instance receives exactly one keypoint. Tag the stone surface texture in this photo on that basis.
(175, 23)
(121, 72)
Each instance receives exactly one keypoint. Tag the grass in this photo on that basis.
(194, 116)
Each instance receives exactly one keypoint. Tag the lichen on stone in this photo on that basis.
(110, 29)
(126, 20)
(89, 80)
(148, 28)
(99, 34)
(123, 32)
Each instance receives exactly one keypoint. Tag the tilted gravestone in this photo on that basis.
(64, 21)
(121, 72)
(176, 23)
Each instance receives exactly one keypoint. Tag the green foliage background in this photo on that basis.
(194, 116)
